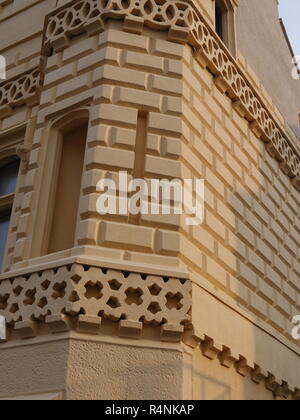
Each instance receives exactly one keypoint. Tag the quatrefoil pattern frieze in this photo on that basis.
(20, 90)
(77, 289)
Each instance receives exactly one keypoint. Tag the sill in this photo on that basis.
(98, 257)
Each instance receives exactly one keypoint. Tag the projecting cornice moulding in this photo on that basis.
(185, 24)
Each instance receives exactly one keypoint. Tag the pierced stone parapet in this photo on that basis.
(212, 53)
(185, 23)
(21, 90)
(91, 294)
(89, 16)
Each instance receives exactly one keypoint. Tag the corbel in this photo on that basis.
(227, 357)
(243, 366)
(26, 329)
(58, 323)
(273, 384)
(23, 153)
(258, 374)
(89, 324)
(210, 348)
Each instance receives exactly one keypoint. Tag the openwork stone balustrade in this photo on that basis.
(184, 22)
(20, 90)
(93, 294)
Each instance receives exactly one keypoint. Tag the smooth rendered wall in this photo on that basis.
(262, 42)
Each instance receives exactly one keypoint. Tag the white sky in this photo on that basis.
(290, 13)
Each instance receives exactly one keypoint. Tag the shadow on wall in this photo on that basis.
(255, 262)
(258, 282)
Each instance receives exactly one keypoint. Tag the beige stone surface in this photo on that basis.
(285, 94)
(83, 369)
(150, 308)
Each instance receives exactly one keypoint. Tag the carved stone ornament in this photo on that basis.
(18, 91)
(131, 299)
(185, 23)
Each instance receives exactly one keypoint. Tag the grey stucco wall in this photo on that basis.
(262, 42)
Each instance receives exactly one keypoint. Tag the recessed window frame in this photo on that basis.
(7, 200)
(14, 145)
(54, 133)
(225, 23)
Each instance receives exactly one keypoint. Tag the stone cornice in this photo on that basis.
(184, 23)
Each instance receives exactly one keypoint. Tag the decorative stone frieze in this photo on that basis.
(91, 294)
(20, 90)
(212, 53)
(89, 16)
(185, 23)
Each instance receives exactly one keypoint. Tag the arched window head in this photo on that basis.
(225, 22)
(70, 139)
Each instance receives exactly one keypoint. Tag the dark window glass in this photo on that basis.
(9, 170)
(4, 225)
(219, 21)
(8, 177)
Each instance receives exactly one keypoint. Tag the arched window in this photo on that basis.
(9, 169)
(66, 184)
(219, 19)
(225, 23)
